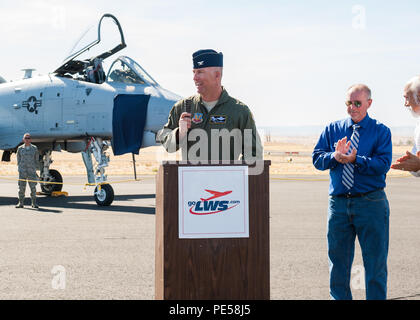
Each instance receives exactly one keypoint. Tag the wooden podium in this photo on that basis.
(216, 268)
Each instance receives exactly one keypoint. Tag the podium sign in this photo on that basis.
(213, 202)
(212, 232)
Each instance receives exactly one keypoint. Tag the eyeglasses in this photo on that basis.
(27, 138)
(356, 103)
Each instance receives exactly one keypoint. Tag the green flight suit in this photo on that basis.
(239, 142)
(27, 160)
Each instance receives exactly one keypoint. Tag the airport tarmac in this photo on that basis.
(72, 249)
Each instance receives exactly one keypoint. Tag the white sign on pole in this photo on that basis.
(213, 202)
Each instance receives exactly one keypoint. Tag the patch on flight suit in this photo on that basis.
(218, 119)
(198, 118)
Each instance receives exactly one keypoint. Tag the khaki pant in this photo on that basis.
(24, 175)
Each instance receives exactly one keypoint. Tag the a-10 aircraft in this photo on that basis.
(80, 108)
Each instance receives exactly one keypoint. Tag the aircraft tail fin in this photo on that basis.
(2, 80)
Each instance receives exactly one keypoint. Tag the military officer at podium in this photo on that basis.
(196, 124)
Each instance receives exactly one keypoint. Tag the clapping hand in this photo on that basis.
(409, 162)
(341, 150)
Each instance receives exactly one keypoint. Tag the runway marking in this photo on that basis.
(69, 183)
(134, 180)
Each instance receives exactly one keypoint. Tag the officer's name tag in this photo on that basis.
(218, 119)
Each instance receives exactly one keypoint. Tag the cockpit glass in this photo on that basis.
(120, 72)
(143, 73)
(96, 39)
(88, 37)
(126, 70)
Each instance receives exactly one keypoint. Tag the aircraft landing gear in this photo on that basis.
(54, 176)
(50, 175)
(104, 194)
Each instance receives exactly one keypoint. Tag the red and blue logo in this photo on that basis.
(211, 206)
(198, 117)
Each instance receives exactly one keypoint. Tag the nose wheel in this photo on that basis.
(104, 195)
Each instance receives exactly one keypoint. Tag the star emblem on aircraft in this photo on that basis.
(32, 104)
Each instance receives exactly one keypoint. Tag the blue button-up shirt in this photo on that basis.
(373, 159)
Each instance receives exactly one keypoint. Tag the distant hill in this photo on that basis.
(307, 131)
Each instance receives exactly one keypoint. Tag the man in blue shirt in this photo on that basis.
(358, 152)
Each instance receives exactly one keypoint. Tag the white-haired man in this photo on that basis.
(411, 160)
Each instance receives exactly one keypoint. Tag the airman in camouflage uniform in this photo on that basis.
(211, 110)
(27, 161)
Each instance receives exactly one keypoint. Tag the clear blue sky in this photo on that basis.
(290, 61)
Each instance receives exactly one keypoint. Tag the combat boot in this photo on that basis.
(20, 204)
(34, 205)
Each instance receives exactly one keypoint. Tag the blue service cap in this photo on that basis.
(207, 58)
